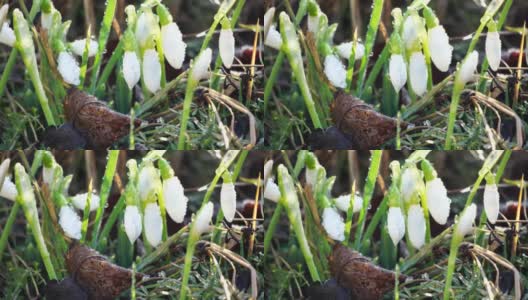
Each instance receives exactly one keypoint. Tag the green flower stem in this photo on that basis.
(109, 67)
(427, 55)
(220, 14)
(453, 251)
(86, 214)
(106, 186)
(84, 62)
(380, 212)
(423, 199)
(351, 64)
(26, 47)
(104, 33)
(370, 39)
(368, 191)
(161, 201)
(8, 227)
(191, 244)
(290, 202)
(271, 228)
(160, 95)
(349, 215)
(161, 57)
(114, 215)
(161, 249)
(189, 92)
(378, 66)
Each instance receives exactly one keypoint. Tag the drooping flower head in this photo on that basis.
(468, 68)
(438, 41)
(465, 221)
(493, 46)
(228, 198)
(70, 222)
(416, 226)
(69, 68)
(152, 70)
(437, 201)
(395, 224)
(491, 199)
(333, 224)
(226, 43)
(201, 64)
(175, 199)
(153, 224)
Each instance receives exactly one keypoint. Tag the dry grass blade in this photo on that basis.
(517, 219)
(519, 65)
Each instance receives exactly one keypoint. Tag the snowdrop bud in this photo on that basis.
(273, 38)
(416, 226)
(343, 203)
(437, 201)
(268, 16)
(79, 201)
(333, 224)
(47, 175)
(173, 45)
(268, 168)
(132, 223)
(228, 200)
(7, 35)
(468, 68)
(146, 28)
(175, 199)
(202, 220)
(335, 71)
(465, 221)
(418, 73)
(410, 32)
(147, 181)
(79, 45)
(153, 224)
(397, 71)
(395, 224)
(411, 183)
(493, 46)
(345, 49)
(70, 222)
(131, 69)
(8, 190)
(491, 202)
(441, 50)
(3, 13)
(271, 191)
(152, 70)
(4, 168)
(69, 68)
(226, 44)
(201, 65)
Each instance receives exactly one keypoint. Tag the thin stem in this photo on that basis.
(116, 211)
(271, 228)
(189, 92)
(455, 243)
(8, 226)
(107, 70)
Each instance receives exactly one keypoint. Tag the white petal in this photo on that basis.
(201, 65)
(491, 202)
(268, 167)
(493, 49)
(79, 45)
(132, 223)
(345, 49)
(7, 35)
(46, 20)
(152, 70)
(79, 201)
(69, 68)
(228, 200)
(441, 50)
(437, 201)
(3, 13)
(411, 183)
(333, 224)
(410, 32)
(273, 39)
(343, 203)
(465, 221)
(202, 220)
(416, 226)
(4, 168)
(148, 178)
(395, 224)
(47, 176)
(173, 45)
(146, 28)
(8, 190)
(153, 224)
(469, 67)
(175, 199)
(397, 71)
(226, 43)
(268, 16)
(272, 191)
(131, 69)
(335, 71)
(418, 73)
(313, 24)
(70, 222)
(311, 176)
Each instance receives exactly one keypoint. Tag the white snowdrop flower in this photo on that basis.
(418, 73)
(153, 224)
(146, 28)
(343, 203)
(335, 71)
(228, 200)
(345, 49)
(79, 45)
(201, 65)
(173, 45)
(202, 220)
(416, 226)
(226, 43)
(491, 202)
(70, 222)
(7, 35)
(395, 224)
(272, 191)
(313, 24)
(8, 190)
(437, 201)
(411, 183)
(273, 38)
(3, 13)
(310, 176)
(131, 69)
(469, 67)
(410, 32)
(268, 168)
(175, 199)
(333, 224)
(152, 70)
(4, 168)
(79, 201)
(493, 49)
(465, 221)
(397, 71)
(147, 180)
(132, 221)
(268, 16)
(69, 68)
(47, 175)
(46, 20)
(441, 50)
